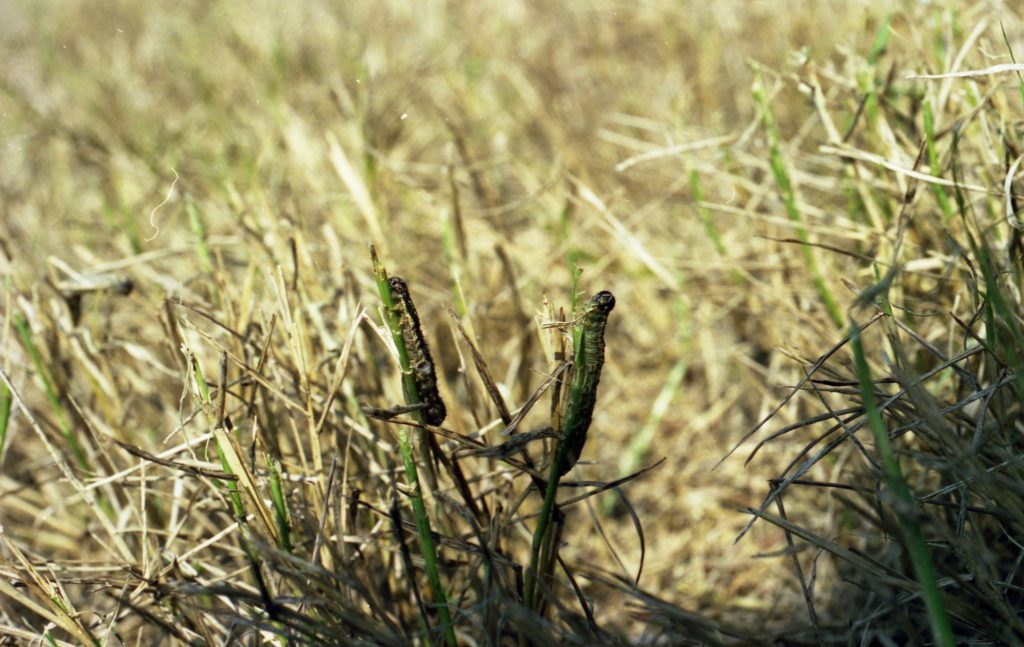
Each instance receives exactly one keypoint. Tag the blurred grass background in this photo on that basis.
(221, 155)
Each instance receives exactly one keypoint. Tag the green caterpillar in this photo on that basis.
(420, 361)
(583, 396)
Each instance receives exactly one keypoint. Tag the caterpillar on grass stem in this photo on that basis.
(424, 373)
(583, 396)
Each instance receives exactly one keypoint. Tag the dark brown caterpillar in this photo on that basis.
(589, 361)
(420, 361)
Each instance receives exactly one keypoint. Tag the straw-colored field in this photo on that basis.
(188, 192)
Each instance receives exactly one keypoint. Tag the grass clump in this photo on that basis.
(912, 436)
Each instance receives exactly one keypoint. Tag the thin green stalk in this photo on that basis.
(589, 356)
(640, 444)
(866, 78)
(280, 505)
(881, 43)
(782, 179)
(1009, 50)
(207, 404)
(562, 450)
(123, 220)
(920, 557)
(426, 535)
(63, 422)
(933, 161)
(1002, 332)
(543, 522)
(571, 258)
(448, 237)
(709, 223)
(5, 417)
(199, 231)
(6, 398)
(234, 493)
(571, 253)
(574, 296)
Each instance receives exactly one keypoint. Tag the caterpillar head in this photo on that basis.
(398, 286)
(603, 301)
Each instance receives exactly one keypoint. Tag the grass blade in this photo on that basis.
(920, 557)
(785, 184)
(413, 396)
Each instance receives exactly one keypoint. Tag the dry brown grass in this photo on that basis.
(233, 162)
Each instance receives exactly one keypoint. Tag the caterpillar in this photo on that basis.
(424, 373)
(583, 396)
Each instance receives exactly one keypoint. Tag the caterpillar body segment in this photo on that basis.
(424, 372)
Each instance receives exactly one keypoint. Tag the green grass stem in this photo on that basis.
(785, 184)
(5, 417)
(208, 408)
(426, 535)
(280, 503)
(63, 421)
(533, 575)
(710, 228)
(571, 439)
(199, 231)
(905, 504)
(941, 197)
(448, 237)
